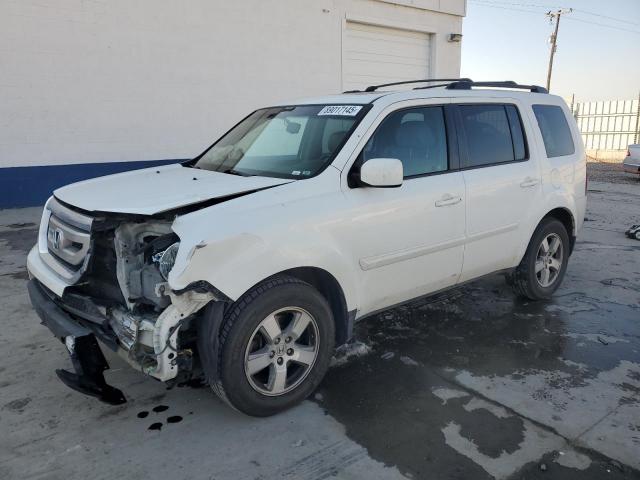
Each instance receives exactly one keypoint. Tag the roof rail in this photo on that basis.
(467, 85)
(373, 88)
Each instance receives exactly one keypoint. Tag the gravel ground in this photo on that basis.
(610, 173)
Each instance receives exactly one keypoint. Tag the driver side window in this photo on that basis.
(415, 136)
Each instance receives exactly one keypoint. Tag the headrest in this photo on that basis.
(335, 139)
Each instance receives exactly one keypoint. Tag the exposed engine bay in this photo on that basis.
(122, 286)
(149, 321)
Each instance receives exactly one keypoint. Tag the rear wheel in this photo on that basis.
(545, 262)
(275, 346)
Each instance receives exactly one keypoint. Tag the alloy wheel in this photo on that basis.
(281, 351)
(549, 260)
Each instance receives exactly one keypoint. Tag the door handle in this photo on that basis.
(529, 182)
(448, 199)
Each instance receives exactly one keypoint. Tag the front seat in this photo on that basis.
(335, 139)
(411, 144)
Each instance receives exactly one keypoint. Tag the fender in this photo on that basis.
(237, 244)
(553, 201)
(236, 264)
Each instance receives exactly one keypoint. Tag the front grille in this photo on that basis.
(66, 241)
(68, 244)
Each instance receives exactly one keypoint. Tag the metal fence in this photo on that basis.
(608, 125)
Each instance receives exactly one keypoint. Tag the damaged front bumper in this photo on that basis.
(151, 347)
(80, 338)
(95, 278)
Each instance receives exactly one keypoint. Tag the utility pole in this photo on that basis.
(554, 38)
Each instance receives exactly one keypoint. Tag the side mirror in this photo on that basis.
(381, 173)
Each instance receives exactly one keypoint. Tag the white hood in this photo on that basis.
(158, 189)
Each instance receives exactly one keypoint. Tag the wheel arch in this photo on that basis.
(321, 280)
(564, 216)
(330, 289)
(561, 213)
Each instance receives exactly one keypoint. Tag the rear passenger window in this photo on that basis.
(494, 134)
(415, 136)
(555, 130)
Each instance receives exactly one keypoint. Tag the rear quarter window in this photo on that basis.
(555, 131)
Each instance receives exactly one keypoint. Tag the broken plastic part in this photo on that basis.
(89, 364)
(202, 286)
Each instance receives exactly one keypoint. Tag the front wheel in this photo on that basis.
(275, 346)
(545, 262)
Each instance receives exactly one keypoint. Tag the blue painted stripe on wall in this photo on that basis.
(30, 186)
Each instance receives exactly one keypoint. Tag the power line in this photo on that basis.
(545, 6)
(586, 12)
(516, 4)
(554, 13)
(537, 12)
(487, 3)
(614, 27)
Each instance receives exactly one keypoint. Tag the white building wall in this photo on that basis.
(121, 80)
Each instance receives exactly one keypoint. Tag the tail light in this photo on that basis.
(628, 152)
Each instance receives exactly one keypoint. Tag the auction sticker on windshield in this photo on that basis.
(343, 110)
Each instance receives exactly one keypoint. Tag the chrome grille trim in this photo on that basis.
(71, 217)
(64, 240)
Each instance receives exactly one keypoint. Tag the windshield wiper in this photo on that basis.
(231, 171)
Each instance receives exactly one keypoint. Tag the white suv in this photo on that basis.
(248, 264)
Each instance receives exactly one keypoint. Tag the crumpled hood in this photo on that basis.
(158, 189)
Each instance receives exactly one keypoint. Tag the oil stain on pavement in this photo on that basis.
(157, 426)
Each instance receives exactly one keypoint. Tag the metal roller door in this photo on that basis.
(373, 55)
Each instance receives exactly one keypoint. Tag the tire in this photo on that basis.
(244, 336)
(526, 281)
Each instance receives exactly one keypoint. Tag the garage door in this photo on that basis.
(373, 55)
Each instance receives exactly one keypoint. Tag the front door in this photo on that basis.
(408, 240)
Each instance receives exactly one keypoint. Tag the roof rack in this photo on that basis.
(457, 84)
(373, 88)
(468, 84)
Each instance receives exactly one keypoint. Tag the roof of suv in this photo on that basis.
(460, 89)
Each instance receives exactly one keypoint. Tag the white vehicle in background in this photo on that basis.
(250, 263)
(631, 162)
(634, 232)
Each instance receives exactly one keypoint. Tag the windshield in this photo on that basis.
(285, 142)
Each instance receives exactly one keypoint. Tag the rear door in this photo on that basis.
(502, 181)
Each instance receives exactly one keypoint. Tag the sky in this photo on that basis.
(509, 40)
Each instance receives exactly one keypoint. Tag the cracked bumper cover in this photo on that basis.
(80, 338)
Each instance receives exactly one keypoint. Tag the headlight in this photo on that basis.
(166, 259)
